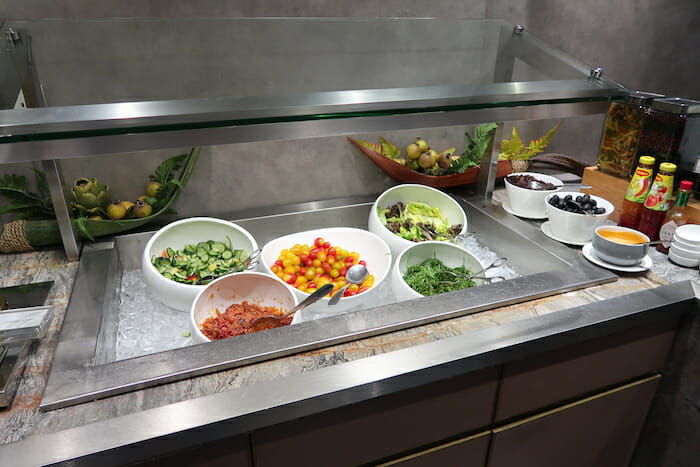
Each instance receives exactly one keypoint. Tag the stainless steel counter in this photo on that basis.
(156, 420)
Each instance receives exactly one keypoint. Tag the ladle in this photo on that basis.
(539, 185)
(355, 275)
(274, 321)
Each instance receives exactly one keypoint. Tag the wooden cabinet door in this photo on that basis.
(465, 452)
(566, 374)
(383, 427)
(599, 431)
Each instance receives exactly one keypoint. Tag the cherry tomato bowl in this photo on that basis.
(308, 260)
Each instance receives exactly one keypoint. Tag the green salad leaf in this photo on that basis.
(417, 222)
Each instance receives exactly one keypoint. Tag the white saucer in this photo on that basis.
(546, 228)
(509, 210)
(587, 251)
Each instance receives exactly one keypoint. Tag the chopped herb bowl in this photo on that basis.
(182, 257)
(419, 260)
(419, 200)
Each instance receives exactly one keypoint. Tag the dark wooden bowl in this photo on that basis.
(405, 175)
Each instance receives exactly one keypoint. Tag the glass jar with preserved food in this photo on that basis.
(621, 132)
(663, 128)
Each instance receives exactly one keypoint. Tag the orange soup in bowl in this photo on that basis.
(622, 236)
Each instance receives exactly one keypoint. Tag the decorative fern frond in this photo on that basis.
(514, 149)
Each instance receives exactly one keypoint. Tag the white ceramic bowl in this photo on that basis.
(450, 254)
(372, 249)
(530, 203)
(253, 287)
(681, 250)
(689, 234)
(621, 254)
(578, 228)
(187, 232)
(679, 258)
(407, 193)
(685, 245)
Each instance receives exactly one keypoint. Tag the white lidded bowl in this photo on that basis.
(253, 287)
(689, 234)
(407, 193)
(188, 232)
(573, 227)
(450, 254)
(371, 248)
(678, 257)
(530, 203)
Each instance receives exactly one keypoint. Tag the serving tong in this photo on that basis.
(473, 275)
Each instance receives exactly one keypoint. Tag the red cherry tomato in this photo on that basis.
(349, 293)
(318, 243)
(362, 262)
(326, 245)
(331, 251)
(279, 262)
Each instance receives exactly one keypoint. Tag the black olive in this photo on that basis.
(579, 198)
(593, 203)
(568, 198)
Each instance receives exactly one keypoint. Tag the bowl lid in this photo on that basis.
(689, 232)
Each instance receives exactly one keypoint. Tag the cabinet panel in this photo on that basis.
(565, 374)
(224, 453)
(381, 427)
(466, 452)
(599, 431)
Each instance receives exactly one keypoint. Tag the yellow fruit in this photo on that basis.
(413, 152)
(152, 189)
(128, 205)
(141, 209)
(428, 159)
(116, 211)
(95, 218)
(422, 144)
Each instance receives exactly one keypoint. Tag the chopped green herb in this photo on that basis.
(186, 334)
(432, 277)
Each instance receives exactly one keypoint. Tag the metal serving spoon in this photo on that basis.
(355, 275)
(274, 321)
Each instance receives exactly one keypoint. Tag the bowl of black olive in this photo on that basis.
(574, 216)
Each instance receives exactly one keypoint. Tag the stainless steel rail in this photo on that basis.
(158, 431)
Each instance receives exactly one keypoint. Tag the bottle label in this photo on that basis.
(666, 233)
(639, 186)
(659, 198)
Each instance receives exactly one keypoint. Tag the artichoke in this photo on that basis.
(90, 196)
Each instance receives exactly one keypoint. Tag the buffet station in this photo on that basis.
(196, 277)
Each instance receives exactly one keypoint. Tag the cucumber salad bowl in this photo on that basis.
(183, 257)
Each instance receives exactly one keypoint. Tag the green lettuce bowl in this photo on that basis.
(416, 198)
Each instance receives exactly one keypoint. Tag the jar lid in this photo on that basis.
(667, 167)
(677, 105)
(647, 160)
(686, 185)
(642, 98)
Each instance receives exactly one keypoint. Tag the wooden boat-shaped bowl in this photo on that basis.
(405, 175)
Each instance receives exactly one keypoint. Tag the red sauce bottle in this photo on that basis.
(637, 190)
(658, 201)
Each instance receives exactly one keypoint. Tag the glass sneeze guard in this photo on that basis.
(139, 79)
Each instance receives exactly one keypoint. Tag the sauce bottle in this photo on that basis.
(636, 193)
(677, 216)
(658, 201)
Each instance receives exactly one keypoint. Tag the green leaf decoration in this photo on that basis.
(388, 149)
(514, 149)
(23, 202)
(474, 150)
(376, 147)
(81, 225)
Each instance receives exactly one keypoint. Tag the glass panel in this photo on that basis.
(214, 73)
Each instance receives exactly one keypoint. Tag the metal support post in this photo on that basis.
(54, 177)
